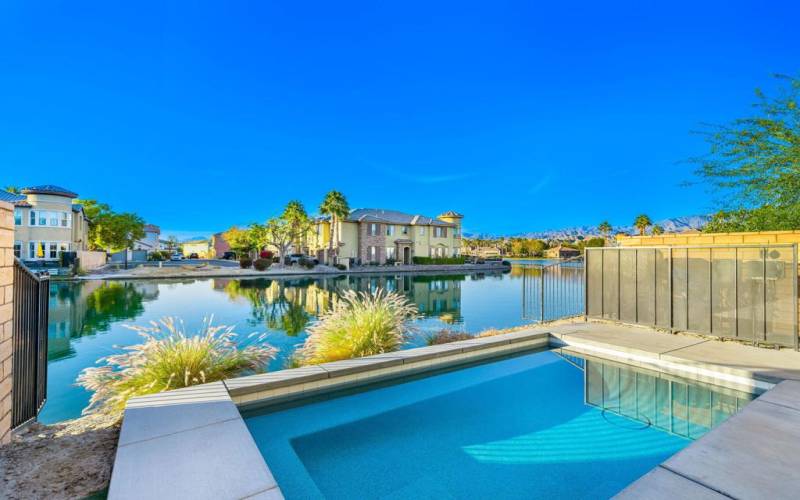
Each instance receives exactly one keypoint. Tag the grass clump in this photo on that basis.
(170, 359)
(446, 336)
(360, 324)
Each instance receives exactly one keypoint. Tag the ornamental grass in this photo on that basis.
(360, 324)
(169, 358)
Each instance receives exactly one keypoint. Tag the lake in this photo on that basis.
(88, 318)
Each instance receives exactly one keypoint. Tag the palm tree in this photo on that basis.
(641, 223)
(604, 228)
(335, 206)
(657, 230)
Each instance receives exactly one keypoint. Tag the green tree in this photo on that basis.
(657, 229)
(277, 233)
(592, 243)
(12, 189)
(240, 241)
(335, 206)
(109, 230)
(754, 162)
(642, 222)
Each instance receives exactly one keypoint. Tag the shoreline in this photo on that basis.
(290, 272)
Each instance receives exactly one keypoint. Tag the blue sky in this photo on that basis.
(521, 115)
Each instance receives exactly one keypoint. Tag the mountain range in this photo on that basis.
(674, 225)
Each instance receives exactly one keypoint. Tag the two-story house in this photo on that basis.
(372, 235)
(47, 223)
(151, 241)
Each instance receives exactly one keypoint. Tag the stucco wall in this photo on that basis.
(759, 237)
(6, 316)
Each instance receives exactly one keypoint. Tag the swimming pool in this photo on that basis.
(543, 424)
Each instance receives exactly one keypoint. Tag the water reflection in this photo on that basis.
(91, 307)
(674, 405)
(289, 305)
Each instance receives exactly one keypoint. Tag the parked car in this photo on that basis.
(229, 255)
(176, 256)
(296, 258)
(194, 256)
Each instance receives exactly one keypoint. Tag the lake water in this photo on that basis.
(88, 318)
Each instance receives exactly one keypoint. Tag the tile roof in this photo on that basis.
(152, 228)
(11, 197)
(393, 216)
(49, 189)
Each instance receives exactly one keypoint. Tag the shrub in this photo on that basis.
(360, 324)
(262, 264)
(340, 267)
(266, 254)
(245, 262)
(306, 263)
(446, 336)
(169, 359)
(427, 261)
(390, 262)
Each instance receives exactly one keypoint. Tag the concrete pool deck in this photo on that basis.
(193, 443)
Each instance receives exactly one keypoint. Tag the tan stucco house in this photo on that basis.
(375, 235)
(47, 223)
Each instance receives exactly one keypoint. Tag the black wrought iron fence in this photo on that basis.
(31, 306)
(745, 292)
(553, 291)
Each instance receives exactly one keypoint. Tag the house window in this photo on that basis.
(390, 253)
(372, 254)
(66, 219)
(33, 218)
(372, 229)
(17, 216)
(53, 250)
(18, 249)
(54, 219)
(440, 232)
(42, 218)
(405, 229)
(389, 230)
(422, 231)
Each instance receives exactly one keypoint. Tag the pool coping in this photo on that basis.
(194, 443)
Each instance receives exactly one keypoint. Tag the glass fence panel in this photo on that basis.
(750, 294)
(627, 285)
(780, 303)
(594, 274)
(699, 266)
(723, 292)
(610, 284)
(662, 302)
(646, 273)
(679, 288)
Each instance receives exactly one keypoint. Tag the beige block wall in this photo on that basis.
(6, 317)
(680, 239)
(91, 260)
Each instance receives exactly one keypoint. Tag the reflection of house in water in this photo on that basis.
(90, 307)
(674, 405)
(435, 296)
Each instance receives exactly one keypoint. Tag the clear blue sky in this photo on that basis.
(521, 115)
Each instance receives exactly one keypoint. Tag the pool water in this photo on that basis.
(533, 426)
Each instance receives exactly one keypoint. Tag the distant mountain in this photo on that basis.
(674, 225)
